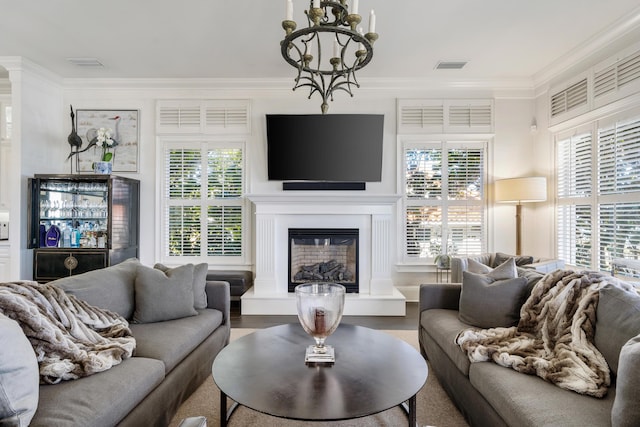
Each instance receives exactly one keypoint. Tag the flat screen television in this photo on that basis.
(334, 147)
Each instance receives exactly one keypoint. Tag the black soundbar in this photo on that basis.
(322, 185)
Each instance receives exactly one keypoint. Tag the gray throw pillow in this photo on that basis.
(199, 283)
(626, 405)
(161, 296)
(519, 259)
(110, 288)
(617, 321)
(506, 270)
(19, 375)
(477, 267)
(489, 303)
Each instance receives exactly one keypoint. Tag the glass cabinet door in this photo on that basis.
(72, 214)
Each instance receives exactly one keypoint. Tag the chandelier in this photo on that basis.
(334, 26)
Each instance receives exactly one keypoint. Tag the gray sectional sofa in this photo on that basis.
(491, 395)
(172, 357)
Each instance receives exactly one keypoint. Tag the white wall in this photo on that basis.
(513, 156)
(38, 138)
(42, 125)
(511, 151)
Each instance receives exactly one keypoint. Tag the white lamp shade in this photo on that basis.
(521, 190)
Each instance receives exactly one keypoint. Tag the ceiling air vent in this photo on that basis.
(450, 65)
(85, 62)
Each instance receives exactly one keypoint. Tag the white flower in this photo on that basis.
(104, 137)
(104, 141)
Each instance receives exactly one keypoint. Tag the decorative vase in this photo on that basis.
(104, 168)
(320, 307)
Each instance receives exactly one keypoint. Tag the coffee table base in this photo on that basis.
(409, 408)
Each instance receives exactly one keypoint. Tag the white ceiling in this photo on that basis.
(500, 39)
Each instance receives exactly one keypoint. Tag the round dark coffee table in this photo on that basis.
(373, 372)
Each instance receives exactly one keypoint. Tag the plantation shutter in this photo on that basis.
(465, 215)
(210, 117)
(574, 234)
(224, 221)
(444, 200)
(619, 232)
(422, 116)
(569, 99)
(574, 166)
(598, 214)
(619, 158)
(183, 218)
(574, 184)
(204, 200)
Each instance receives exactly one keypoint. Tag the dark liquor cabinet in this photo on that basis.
(80, 223)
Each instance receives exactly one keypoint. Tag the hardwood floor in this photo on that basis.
(407, 322)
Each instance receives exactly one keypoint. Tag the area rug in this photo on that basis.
(434, 408)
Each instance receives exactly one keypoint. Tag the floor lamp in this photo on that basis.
(518, 191)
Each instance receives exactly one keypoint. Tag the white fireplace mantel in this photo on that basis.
(371, 214)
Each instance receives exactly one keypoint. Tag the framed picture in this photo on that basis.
(124, 130)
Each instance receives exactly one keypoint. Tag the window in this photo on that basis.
(598, 179)
(204, 205)
(444, 200)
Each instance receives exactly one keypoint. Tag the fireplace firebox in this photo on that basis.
(323, 255)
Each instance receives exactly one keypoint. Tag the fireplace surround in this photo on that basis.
(371, 214)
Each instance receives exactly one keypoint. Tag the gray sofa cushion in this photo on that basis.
(618, 320)
(527, 400)
(626, 406)
(173, 340)
(443, 326)
(163, 296)
(489, 303)
(19, 378)
(199, 281)
(110, 288)
(99, 400)
(520, 260)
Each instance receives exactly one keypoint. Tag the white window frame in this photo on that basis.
(163, 144)
(443, 142)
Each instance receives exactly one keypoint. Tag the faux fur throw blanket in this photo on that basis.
(71, 338)
(555, 334)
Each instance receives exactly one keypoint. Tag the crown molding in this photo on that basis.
(517, 88)
(618, 30)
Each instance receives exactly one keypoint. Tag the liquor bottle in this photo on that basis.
(66, 236)
(75, 238)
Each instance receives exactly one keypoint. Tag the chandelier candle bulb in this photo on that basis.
(289, 15)
(354, 7)
(372, 21)
(316, 4)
